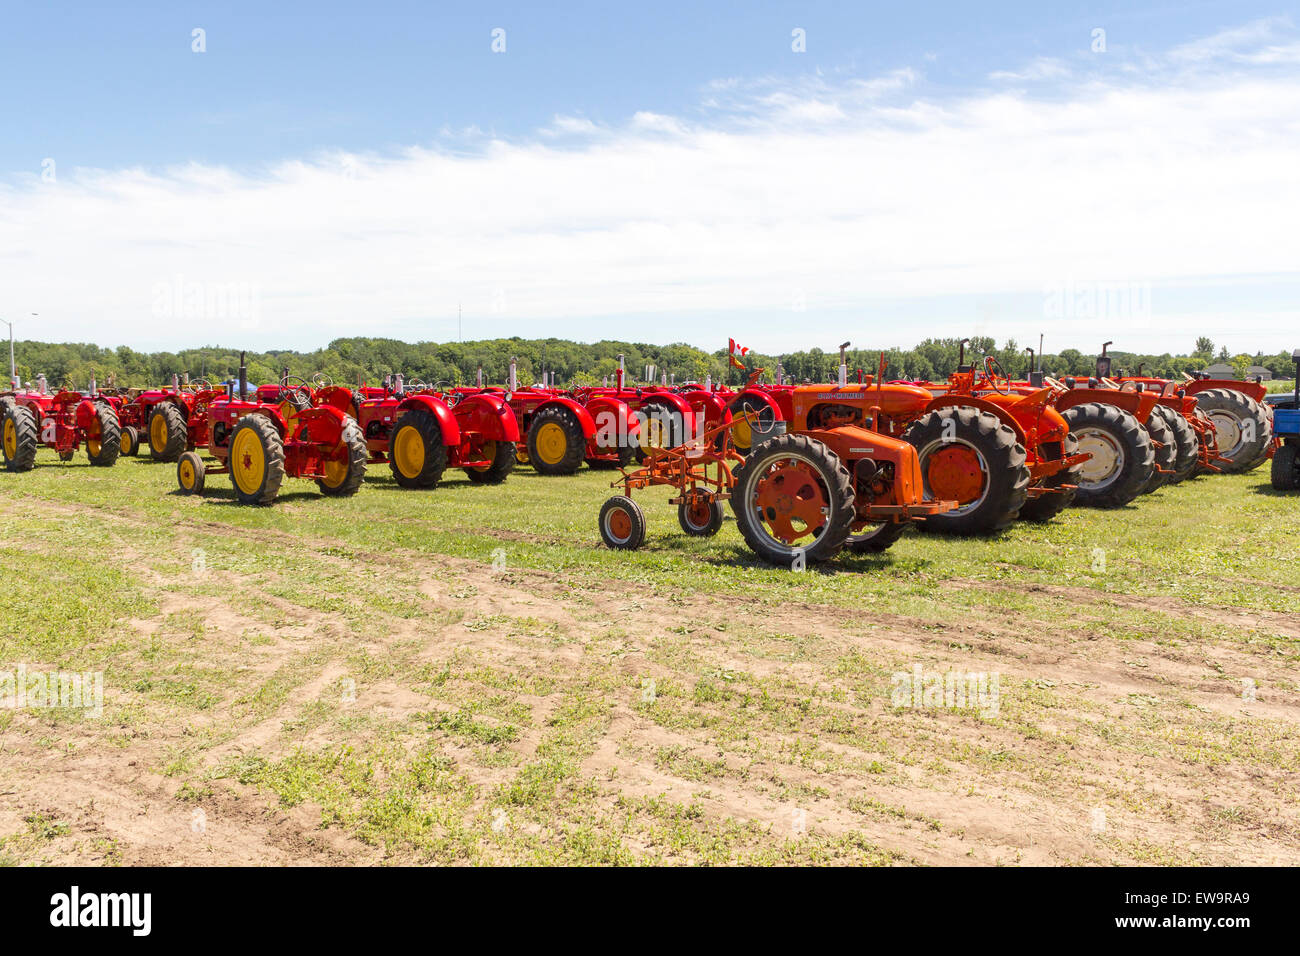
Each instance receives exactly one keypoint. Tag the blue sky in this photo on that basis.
(665, 171)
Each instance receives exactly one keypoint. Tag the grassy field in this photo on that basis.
(468, 676)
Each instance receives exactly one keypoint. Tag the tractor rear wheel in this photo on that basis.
(556, 444)
(129, 443)
(168, 434)
(191, 473)
(1165, 448)
(256, 460)
(661, 427)
(104, 440)
(1047, 506)
(20, 438)
(876, 539)
(416, 453)
(344, 473)
(1286, 467)
(742, 428)
(502, 456)
(1241, 427)
(1185, 439)
(622, 523)
(626, 455)
(699, 516)
(793, 501)
(1122, 454)
(971, 457)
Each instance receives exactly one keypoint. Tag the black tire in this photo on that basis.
(1286, 467)
(622, 523)
(663, 422)
(569, 458)
(700, 518)
(1005, 472)
(423, 424)
(20, 439)
(170, 436)
(129, 443)
(1123, 454)
(878, 539)
(109, 440)
(626, 455)
(1242, 427)
(1047, 506)
(503, 462)
(349, 481)
(1165, 448)
(1186, 441)
(826, 476)
(191, 474)
(272, 447)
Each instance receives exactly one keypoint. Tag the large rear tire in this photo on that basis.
(1123, 455)
(502, 456)
(20, 438)
(1286, 468)
(168, 434)
(256, 460)
(793, 501)
(104, 442)
(969, 456)
(1048, 505)
(344, 475)
(556, 443)
(1165, 449)
(877, 539)
(1185, 439)
(416, 453)
(1241, 427)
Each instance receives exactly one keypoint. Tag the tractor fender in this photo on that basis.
(708, 407)
(438, 409)
(674, 403)
(762, 398)
(87, 413)
(613, 413)
(323, 424)
(340, 397)
(1130, 402)
(1253, 389)
(585, 421)
(488, 415)
(984, 405)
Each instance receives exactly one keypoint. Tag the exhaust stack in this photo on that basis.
(844, 364)
(243, 376)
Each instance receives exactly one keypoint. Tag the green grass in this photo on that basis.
(467, 675)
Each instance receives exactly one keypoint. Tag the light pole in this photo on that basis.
(13, 372)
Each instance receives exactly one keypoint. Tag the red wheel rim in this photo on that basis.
(792, 501)
(619, 523)
(953, 473)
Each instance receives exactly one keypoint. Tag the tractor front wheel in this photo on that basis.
(256, 460)
(556, 444)
(622, 524)
(191, 473)
(501, 454)
(20, 438)
(1122, 454)
(104, 440)
(1286, 467)
(416, 453)
(971, 457)
(345, 472)
(793, 501)
(129, 443)
(168, 434)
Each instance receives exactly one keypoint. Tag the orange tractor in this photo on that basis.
(261, 439)
(62, 421)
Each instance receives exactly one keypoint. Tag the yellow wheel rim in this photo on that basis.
(490, 453)
(93, 444)
(11, 438)
(741, 434)
(408, 452)
(124, 443)
(336, 472)
(655, 434)
(158, 434)
(187, 474)
(248, 462)
(552, 443)
(521, 454)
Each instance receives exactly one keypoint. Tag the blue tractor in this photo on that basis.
(1286, 426)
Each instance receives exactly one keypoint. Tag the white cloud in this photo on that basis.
(850, 192)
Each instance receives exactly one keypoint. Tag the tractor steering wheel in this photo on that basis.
(321, 380)
(990, 363)
(296, 390)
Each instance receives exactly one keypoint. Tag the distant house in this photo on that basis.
(1224, 370)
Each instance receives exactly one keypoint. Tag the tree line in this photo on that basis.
(353, 360)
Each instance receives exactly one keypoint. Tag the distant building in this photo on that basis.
(1258, 371)
(1224, 370)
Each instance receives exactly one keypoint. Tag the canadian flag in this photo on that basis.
(732, 349)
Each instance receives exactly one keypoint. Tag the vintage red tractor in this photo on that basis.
(62, 421)
(422, 431)
(173, 420)
(260, 439)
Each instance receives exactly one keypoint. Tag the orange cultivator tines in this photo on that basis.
(699, 470)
